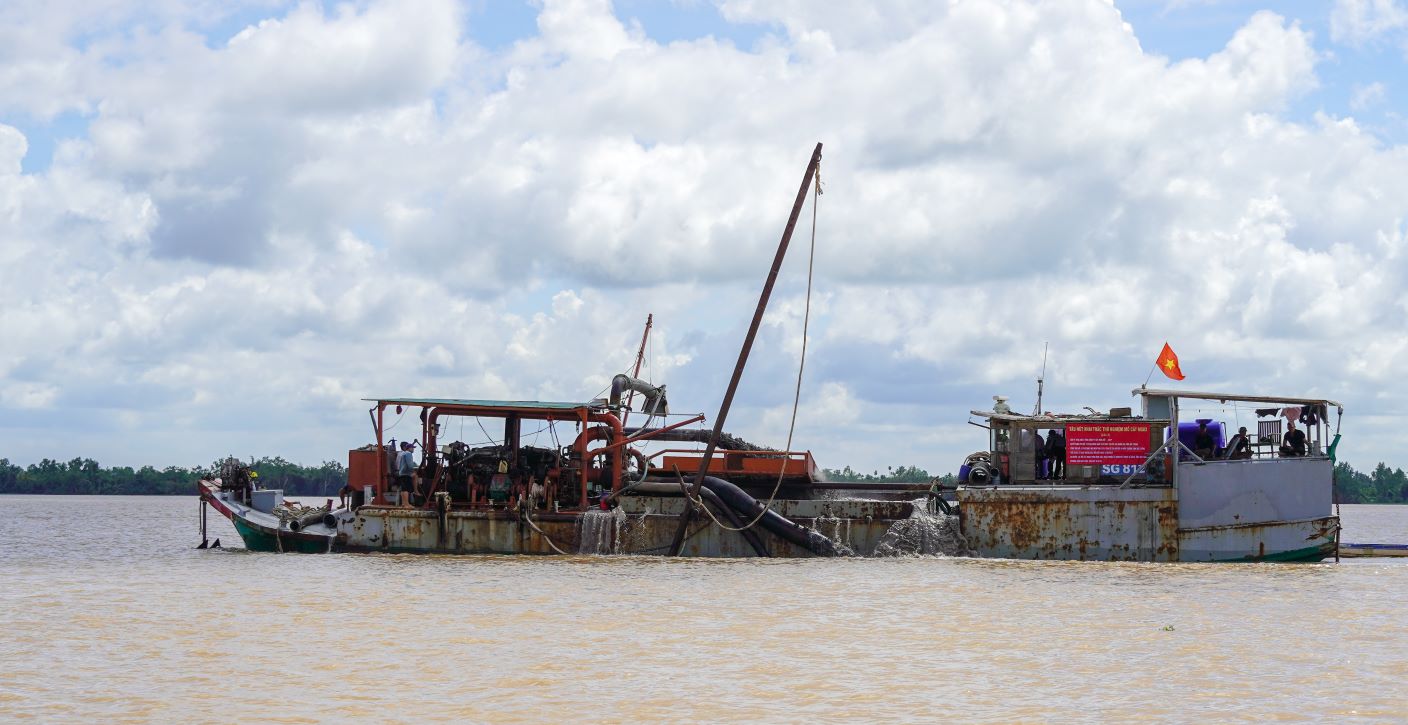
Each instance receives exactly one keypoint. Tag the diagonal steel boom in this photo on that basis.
(688, 512)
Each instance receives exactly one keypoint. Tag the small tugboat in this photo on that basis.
(1155, 487)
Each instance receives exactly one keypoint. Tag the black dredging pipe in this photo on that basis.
(749, 534)
(749, 508)
(726, 441)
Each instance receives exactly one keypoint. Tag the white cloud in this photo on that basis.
(1365, 97)
(358, 201)
(13, 146)
(1361, 21)
(28, 395)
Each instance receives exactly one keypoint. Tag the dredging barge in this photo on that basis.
(1134, 488)
(599, 494)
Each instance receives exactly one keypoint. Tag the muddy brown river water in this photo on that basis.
(110, 614)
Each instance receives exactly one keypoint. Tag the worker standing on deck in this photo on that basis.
(406, 466)
(1056, 454)
(1040, 445)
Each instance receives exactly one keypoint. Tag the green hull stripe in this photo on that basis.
(1310, 553)
(258, 540)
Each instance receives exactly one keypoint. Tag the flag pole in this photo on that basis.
(1152, 368)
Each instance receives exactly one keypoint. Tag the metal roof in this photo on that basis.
(1224, 397)
(526, 404)
(1059, 418)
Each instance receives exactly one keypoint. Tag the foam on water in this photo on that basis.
(923, 534)
(837, 529)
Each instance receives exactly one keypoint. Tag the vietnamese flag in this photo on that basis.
(1168, 363)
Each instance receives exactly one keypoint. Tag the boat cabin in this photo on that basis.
(1071, 449)
(1111, 448)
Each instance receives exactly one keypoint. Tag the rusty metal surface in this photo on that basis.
(465, 532)
(1108, 523)
(1084, 523)
(643, 525)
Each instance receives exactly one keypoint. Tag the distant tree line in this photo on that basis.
(1383, 485)
(85, 476)
(892, 474)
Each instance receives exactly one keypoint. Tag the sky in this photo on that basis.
(223, 224)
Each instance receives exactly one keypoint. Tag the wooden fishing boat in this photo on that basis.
(263, 519)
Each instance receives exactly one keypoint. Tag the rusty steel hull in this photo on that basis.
(642, 525)
(1070, 522)
(1107, 523)
(1306, 540)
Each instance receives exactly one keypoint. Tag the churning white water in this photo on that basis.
(838, 529)
(923, 534)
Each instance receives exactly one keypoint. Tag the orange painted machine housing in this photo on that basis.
(363, 469)
(790, 465)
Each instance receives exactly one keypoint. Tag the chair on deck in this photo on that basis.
(1268, 435)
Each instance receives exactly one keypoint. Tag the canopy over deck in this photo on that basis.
(462, 403)
(1057, 418)
(1225, 397)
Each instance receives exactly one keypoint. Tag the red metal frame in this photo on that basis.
(596, 424)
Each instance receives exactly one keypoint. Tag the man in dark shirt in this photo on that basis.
(1293, 443)
(1202, 442)
(1240, 447)
(1039, 444)
(1056, 454)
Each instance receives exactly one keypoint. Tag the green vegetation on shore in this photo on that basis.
(1382, 485)
(86, 476)
(892, 474)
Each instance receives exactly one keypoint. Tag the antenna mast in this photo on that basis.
(1041, 379)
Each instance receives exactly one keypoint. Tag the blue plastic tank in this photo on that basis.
(1188, 431)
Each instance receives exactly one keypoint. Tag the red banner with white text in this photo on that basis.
(1107, 444)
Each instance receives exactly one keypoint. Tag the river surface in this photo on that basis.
(109, 613)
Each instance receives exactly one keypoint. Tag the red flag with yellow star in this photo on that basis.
(1168, 363)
